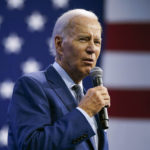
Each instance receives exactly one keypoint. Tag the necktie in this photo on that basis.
(78, 92)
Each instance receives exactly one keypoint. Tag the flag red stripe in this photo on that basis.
(128, 37)
(130, 103)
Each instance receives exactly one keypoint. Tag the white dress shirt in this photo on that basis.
(70, 83)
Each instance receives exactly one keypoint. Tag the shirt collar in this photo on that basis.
(66, 78)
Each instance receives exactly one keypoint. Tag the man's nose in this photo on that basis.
(90, 48)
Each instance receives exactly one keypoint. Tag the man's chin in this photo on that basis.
(87, 71)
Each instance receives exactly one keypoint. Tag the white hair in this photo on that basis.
(64, 20)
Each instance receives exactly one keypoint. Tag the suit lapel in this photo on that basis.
(60, 88)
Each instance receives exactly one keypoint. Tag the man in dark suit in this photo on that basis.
(45, 113)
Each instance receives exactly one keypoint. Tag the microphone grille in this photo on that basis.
(96, 71)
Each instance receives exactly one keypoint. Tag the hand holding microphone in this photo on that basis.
(96, 74)
(97, 99)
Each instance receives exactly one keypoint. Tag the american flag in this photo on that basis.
(126, 63)
(25, 38)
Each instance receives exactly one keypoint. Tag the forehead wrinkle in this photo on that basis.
(80, 24)
(77, 23)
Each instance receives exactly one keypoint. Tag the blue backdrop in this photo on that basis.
(25, 32)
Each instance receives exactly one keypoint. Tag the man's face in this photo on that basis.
(81, 47)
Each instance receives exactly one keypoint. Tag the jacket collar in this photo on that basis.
(60, 88)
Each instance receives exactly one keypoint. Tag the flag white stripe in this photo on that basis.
(129, 134)
(127, 11)
(126, 69)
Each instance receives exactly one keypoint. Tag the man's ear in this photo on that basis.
(58, 44)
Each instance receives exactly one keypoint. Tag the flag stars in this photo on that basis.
(31, 65)
(13, 43)
(4, 136)
(15, 4)
(36, 21)
(60, 3)
(6, 89)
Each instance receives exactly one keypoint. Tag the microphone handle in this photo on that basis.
(103, 114)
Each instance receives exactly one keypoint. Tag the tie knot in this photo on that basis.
(78, 92)
(76, 88)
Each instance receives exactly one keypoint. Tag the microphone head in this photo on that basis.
(96, 71)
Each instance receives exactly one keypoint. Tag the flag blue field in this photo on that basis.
(25, 38)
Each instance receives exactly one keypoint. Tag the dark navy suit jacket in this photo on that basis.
(43, 116)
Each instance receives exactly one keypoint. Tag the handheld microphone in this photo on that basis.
(96, 75)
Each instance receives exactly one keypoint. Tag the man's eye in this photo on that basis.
(83, 39)
(97, 42)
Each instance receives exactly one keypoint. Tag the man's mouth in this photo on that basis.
(88, 61)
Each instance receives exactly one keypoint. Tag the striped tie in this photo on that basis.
(78, 92)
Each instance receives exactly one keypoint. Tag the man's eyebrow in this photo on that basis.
(83, 34)
(98, 39)
(86, 35)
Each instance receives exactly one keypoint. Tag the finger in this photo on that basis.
(98, 88)
(106, 97)
(102, 89)
(107, 103)
(104, 92)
